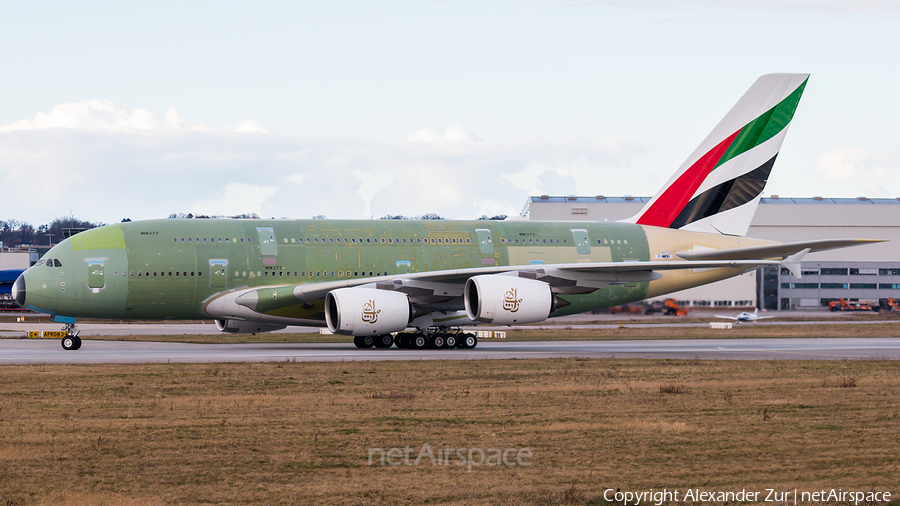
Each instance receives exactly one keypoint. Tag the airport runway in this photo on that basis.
(149, 329)
(49, 351)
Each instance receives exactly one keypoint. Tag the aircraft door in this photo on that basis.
(582, 243)
(268, 245)
(96, 278)
(485, 246)
(218, 273)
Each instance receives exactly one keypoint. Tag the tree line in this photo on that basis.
(15, 233)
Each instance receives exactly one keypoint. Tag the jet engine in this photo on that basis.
(367, 311)
(505, 300)
(246, 327)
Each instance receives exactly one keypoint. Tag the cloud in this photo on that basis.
(104, 115)
(250, 126)
(870, 170)
(237, 198)
(454, 133)
(105, 162)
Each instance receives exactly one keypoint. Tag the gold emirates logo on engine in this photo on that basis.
(510, 302)
(369, 313)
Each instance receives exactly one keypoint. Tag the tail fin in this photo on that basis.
(719, 186)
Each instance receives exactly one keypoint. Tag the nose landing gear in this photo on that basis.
(71, 341)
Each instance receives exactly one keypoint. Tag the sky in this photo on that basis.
(353, 109)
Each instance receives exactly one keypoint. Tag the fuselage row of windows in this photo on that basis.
(244, 273)
(391, 240)
(211, 239)
(161, 274)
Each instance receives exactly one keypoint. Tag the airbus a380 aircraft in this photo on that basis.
(371, 278)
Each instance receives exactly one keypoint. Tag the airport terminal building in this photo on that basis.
(864, 273)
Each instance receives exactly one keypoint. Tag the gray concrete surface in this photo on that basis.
(49, 351)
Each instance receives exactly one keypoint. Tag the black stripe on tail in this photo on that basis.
(725, 196)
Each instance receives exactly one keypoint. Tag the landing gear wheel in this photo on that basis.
(367, 341)
(418, 342)
(384, 341)
(468, 341)
(450, 341)
(358, 342)
(437, 341)
(71, 343)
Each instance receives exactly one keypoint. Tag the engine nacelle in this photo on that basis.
(505, 300)
(366, 311)
(246, 327)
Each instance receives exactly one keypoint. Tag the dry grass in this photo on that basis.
(299, 433)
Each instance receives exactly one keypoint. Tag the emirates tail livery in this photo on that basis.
(425, 279)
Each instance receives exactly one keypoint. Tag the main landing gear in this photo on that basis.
(440, 339)
(71, 341)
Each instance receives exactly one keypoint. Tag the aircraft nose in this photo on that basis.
(18, 290)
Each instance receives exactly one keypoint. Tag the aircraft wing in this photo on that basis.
(604, 272)
(728, 317)
(436, 288)
(782, 250)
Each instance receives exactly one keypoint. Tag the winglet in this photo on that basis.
(792, 263)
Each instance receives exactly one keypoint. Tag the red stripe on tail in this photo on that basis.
(667, 206)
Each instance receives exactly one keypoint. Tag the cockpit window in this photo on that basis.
(57, 263)
(49, 262)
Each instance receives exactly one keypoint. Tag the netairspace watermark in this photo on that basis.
(659, 497)
(451, 456)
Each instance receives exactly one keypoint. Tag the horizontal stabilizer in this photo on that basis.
(782, 250)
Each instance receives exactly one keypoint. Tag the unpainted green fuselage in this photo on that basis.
(167, 269)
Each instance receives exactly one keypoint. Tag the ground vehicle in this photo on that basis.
(668, 307)
(843, 304)
(887, 305)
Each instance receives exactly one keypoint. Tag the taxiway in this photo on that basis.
(48, 351)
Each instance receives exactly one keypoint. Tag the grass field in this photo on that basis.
(301, 433)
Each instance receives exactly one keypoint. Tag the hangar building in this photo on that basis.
(864, 273)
